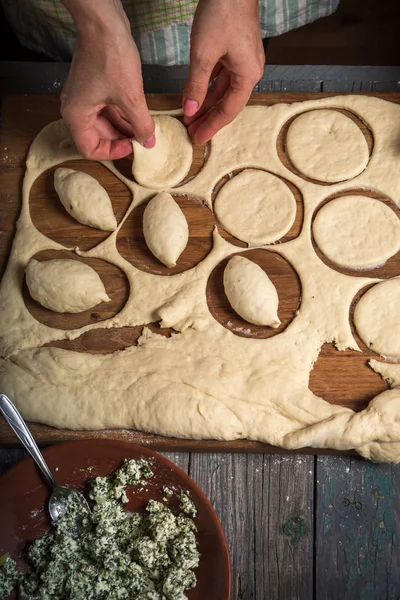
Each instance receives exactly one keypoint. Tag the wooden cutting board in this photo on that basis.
(339, 377)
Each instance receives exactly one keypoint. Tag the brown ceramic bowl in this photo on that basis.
(24, 496)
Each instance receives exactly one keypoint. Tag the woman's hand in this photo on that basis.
(226, 44)
(103, 102)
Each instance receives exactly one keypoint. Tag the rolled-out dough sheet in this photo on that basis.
(206, 382)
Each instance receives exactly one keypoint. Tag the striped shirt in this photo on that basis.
(161, 28)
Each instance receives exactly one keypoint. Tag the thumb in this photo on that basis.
(138, 116)
(197, 84)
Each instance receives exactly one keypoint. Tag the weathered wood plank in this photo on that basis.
(265, 505)
(270, 85)
(232, 483)
(347, 86)
(308, 85)
(384, 86)
(285, 548)
(181, 459)
(357, 529)
(48, 78)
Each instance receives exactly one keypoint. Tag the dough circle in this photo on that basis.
(251, 293)
(256, 207)
(357, 232)
(168, 163)
(64, 286)
(327, 146)
(377, 318)
(85, 199)
(165, 229)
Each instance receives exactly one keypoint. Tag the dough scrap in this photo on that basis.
(251, 293)
(204, 381)
(85, 199)
(256, 207)
(165, 228)
(64, 286)
(166, 164)
(357, 232)
(377, 318)
(326, 145)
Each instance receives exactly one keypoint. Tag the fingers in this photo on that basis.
(95, 137)
(196, 124)
(222, 114)
(105, 132)
(118, 120)
(111, 149)
(136, 112)
(196, 87)
(214, 95)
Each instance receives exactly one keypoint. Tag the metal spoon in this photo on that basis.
(61, 495)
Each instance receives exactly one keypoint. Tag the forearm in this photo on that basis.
(94, 17)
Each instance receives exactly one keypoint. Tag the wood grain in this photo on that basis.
(263, 503)
(357, 508)
(340, 377)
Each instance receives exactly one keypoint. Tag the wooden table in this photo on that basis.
(299, 526)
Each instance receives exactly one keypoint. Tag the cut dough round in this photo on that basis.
(357, 232)
(256, 207)
(377, 318)
(165, 229)
(166, 164)
(327, 146)
(251, 293)
(85, 199)
(64, 286)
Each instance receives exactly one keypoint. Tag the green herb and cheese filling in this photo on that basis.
(111, 553)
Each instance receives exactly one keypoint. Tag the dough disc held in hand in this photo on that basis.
(251, 293)
(85, 199)
(165, 229)
(256, 207)
(168, 163)
(64, 286)
(326, 145)
(377, 318)
(357, 232)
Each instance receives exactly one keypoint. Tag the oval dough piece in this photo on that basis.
(85, 199)
(377, 318)
(256, 207)
(327, 145)
(165, 229)
(166, 164)
(64, 286)
(251, 293)
(357, 232)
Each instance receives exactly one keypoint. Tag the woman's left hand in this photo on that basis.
(226, 45)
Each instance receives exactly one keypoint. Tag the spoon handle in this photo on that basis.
(20, 428)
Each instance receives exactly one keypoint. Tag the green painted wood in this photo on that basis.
(357, 530)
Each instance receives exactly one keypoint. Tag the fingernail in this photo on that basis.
(151, 142)
(190, 107)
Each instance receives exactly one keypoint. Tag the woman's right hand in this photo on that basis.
(103, 102)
